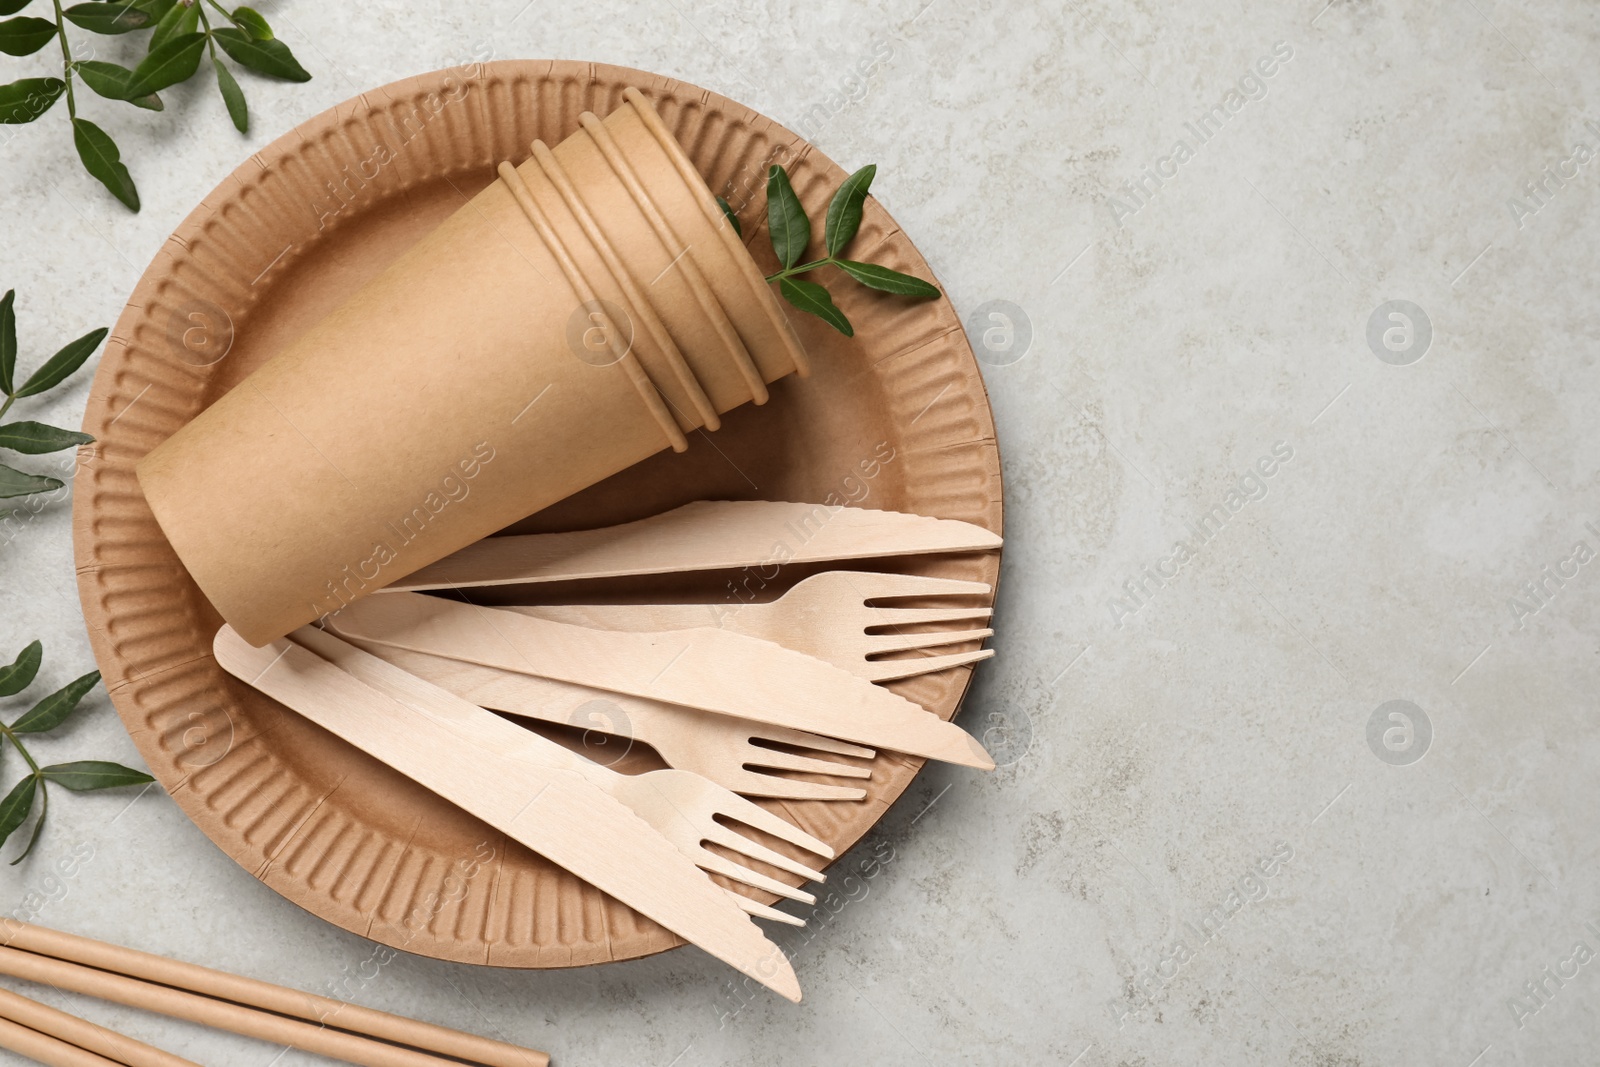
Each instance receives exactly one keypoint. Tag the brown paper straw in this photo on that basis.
(51, 1051)
(249, 991)
(85, 1035)
(221, 1014)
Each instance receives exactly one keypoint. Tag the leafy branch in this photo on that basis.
(790, 231)
(35, 438)
(79, 776)
(181, 35)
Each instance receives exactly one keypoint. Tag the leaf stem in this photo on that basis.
(19, 746)
(44, 790)
(10, 399)
(211, 45)
(222, 10)
(799, 268)
(66, 65)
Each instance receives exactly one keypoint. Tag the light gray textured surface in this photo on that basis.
(1030, 916)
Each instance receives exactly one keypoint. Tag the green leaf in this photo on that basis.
(11, 7)
(733, 220)
(83, 775)
(38, 826)
(889, 281)
(173, 62)
(15, 483)
(844, 211)
(25, 35)
(16, 805)
(8, 339)
(786, 219)
(101, 158)
(174, 22)
(113, 82)
(250, 20)
(233, 96)
(20, 672)
(53, 710)
(814, 299)
(264, 57)
(108, 18)
(110, 80)
(35, 438)
(60, 366)
(27, 99)
(155, 8)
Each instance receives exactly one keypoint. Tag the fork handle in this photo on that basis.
(525, 695)
(467, 720)
(714, 746)
(648, 618)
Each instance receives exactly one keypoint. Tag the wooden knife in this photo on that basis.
(705, 535)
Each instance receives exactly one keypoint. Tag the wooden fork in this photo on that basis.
(729, 751)
(557, 813)
(827, 616)
(682, 806)
(714, 670)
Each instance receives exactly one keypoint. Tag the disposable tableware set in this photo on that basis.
(344, 510)
(615, 224)
(408, 677)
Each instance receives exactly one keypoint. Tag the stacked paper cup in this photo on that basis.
(586, 310)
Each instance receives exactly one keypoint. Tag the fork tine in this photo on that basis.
(913, 616)
(791, 761)
(716, 864)
(801, 739)
(889, 670)
(734, 840)
(751, 814)
(761, 911)
(906, 642)
(879, 585)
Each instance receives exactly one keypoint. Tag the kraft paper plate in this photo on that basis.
(896, 418)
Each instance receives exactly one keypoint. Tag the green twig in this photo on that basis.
(44, 791)
(45, 715)
(789, 230)
(246, 39)
(66, 58)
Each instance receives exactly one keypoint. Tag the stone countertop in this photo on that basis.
(1290, 367)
